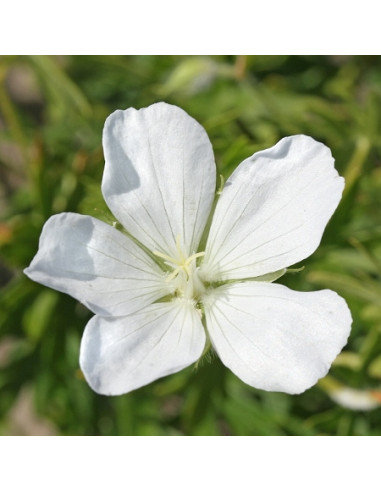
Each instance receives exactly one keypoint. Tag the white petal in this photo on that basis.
(96, 264)
(273, 210)
(355, 399)
(119, 355)
(276, 339)
(159, 178)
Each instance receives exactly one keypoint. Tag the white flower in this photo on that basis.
(354, 399)
(159, 299)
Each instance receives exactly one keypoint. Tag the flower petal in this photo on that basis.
(119, 355)
(160, 176)
(276, 339)
(96, 264)
(273, 210)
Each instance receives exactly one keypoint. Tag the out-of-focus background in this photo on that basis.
(52, 111)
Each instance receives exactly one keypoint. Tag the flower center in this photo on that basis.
(185, 273)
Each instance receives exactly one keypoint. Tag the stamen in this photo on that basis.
(166, 257)
(181, 263)
(179, 250)
(196, 255)
(173, 274)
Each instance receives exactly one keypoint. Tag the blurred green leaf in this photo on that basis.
(64, 93)
(37, 317)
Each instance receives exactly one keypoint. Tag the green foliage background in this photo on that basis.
(52, 111)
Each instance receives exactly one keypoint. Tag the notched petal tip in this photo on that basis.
(274, 209)
(97, 265)
(119, 355)
(276, 339)
(159, 178)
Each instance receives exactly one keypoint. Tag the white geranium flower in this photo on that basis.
(354, 399)
(158, 299)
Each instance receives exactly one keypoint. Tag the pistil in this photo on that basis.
(184, 271)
